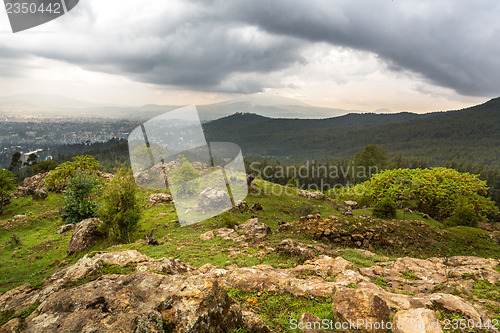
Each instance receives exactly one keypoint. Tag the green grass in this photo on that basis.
(277, 310)
(42, 251)
(381, 282)
(487, 290)
(359, 259)
(5, 316)
(401, 215)
(409, 276)
(40, 246)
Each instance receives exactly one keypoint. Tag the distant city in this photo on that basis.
(42, 136)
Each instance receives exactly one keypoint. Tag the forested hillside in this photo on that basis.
(469, 134)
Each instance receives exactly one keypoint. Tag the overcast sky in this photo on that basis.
(419, 55)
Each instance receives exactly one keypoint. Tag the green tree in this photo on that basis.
(437, 191)
(15, 162)
(58, 178)
(184, 179)
(371, 160)
(293, 182)
(7, 186)
(80, 197)
(385, 209)
(31, 159)
(120, 210)
(44, 166)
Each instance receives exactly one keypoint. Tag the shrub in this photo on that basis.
(435, 191)
(385, 209)
(184, 179)
(305, 209)
(44, 166)
(80, 197)
(464, 214)
(7, 186)
(13, 241)
(58, 178)
(120, 210)
(293, 182)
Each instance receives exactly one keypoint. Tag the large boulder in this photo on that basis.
(212, 198)
(253, 229)
(363, 307)
(351, 204)
(12, 326)
(311, 195)
(291, 247)
(416, 321)
(65, 227)
(85, 235)
(141, 302)
(34, 186)
(157, 199)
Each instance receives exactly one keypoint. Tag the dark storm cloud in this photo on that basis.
(235, 45)
(454, 44)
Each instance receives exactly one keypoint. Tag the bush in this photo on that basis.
(305, 209)
(7, 186)
(120, 210)
(58, 178)
(80, 197)
(184, 179)
(435, 191)
(293, 182)
(44, 166)
(13, 241)
(384, 209)
(464, 214)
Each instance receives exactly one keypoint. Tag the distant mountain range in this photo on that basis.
(41, 105)
(276, 126)
(471, 134)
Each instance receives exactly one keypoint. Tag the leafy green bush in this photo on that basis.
(44, 166)
(80, 197)
(7, 186)
(305, 209)
(13, 241)
(293, 182)
(385, 209)
(435, 191)
(464, 214)
(58, 178)
(120, 210)
(185, 177)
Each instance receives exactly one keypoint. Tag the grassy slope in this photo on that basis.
(41, 246)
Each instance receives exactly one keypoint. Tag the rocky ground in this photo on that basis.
(263, 266)
(130, 292)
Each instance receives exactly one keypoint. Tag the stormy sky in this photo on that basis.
(401, 55)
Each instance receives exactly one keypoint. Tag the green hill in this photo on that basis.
(468, 134)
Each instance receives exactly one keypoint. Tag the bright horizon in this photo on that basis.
(417, 57)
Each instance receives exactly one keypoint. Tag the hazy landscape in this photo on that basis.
(250, 167)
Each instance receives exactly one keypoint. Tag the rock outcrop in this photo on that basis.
(253, 229)
(311, 195)
(85, 235)
(34, 186)
(65, 228)
(168, 295)
(157, 199)
(212, 199)
(416, 321)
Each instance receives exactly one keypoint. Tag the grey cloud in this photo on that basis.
(452, 43)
